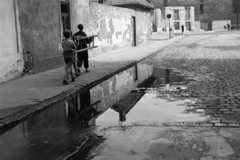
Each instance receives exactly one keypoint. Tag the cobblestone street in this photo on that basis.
(205, 78)
(212, 61)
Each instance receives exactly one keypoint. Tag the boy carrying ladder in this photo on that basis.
(68, 53)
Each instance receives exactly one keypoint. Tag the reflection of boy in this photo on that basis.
(68, 53)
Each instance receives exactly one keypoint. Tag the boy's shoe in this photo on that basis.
(73, 79)
(65, 82)
(87, 70)
(79, 71)
(78, 74)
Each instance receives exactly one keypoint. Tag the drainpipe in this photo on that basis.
(237, 12)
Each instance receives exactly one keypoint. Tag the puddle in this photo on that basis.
(156, 107)
(50, 135)
(152, 110)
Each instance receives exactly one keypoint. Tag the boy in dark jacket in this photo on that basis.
(82, 56)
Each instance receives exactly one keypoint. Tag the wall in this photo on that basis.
(216, 10)
(197, 25)
(79, 14)
(219, 25)
(143, 23)
(11, 62)
(114, 27)
(40, 31)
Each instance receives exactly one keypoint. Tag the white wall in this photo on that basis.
(219, 25)
(11, 63)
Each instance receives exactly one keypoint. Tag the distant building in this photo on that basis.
(209, 14)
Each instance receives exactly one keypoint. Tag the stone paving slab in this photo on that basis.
(29, 92)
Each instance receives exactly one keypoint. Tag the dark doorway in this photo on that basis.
(65, 16)
(176, 26)
(188, 26)
(134, 31)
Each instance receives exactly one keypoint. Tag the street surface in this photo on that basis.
(212, 61)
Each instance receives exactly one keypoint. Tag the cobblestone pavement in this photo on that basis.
(213, 62)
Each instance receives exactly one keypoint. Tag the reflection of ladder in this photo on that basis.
(90, 112)
(82, 42)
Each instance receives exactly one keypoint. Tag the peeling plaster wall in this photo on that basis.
(79, 12)
(40, 31)
(114, 27)
(11, 62)
(143, 23)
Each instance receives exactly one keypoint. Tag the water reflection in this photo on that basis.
(165, 102)
(55, 133)
(63, 129)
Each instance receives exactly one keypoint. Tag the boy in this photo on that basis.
(68, 53)
(83, 56)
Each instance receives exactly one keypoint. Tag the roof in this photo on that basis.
(147, 4)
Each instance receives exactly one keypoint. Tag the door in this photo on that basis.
(176, 26)
(134, 31)
(188, 26)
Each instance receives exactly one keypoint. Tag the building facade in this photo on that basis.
(209, 14)
(181, 16)
(36, 27)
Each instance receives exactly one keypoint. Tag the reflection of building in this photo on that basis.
(209, 14)
(37, 26)
(124, 105)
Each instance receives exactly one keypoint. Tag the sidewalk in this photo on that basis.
(26, 96)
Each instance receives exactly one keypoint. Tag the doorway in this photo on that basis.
(134, 31)
(65, 17)
(188, 26)
(176, 26)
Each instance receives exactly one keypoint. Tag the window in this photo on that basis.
(187, 13)
(176, 25)
(176, 14)
(165, 3)
(201, 8)
(235, 6)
